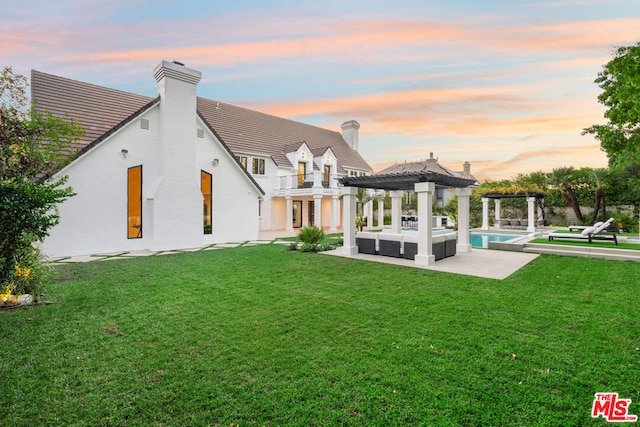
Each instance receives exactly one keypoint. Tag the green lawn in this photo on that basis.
(263, 336)
(594, 244)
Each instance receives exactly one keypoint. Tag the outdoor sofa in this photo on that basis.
(367, 242)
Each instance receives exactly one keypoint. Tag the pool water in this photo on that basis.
(477, 239)
(481, 240)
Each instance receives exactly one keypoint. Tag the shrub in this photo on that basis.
(29, 276)
(308, 247)
(311, 236)
(626, 223)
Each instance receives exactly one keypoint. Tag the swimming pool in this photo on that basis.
(477, 239)
(481, 240)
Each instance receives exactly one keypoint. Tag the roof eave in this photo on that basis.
(246, 172)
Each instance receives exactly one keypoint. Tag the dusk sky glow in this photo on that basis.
(505, 85)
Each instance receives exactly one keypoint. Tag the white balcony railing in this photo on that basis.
(315, 179)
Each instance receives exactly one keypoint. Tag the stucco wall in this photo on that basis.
(235, 198)
(95, 220)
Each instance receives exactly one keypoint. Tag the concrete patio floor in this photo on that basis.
(485, 263)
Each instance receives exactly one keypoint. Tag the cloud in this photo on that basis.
(233, 40)
(470, 87)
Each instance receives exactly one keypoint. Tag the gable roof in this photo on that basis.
(250, 131)
(99, 110)
(429, 165)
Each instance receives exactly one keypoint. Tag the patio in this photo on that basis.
(485, 263)
(424, 184)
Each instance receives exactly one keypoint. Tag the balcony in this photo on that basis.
(311, 180)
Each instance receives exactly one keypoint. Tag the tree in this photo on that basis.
(31, 147)
(364, 196)
(561, 178)
(620, 82)
(598, 177)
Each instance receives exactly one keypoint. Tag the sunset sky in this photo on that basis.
(504, 84)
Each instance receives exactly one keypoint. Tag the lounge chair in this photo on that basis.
(589, 233)
(584, 227)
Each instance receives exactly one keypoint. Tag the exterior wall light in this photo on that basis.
(124, 152)
(215, 162)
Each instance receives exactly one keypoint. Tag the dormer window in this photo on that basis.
(326, 175)
(258, 166)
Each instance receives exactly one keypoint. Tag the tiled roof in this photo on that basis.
(428, 165)
(250, 131)
(99, 110)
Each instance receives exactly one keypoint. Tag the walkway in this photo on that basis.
(145, 253)
(479, 262)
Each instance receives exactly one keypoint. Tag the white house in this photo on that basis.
(180, 171)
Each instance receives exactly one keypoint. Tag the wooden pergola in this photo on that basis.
(423, 184)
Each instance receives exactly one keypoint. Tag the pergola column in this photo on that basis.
(396, 211)
(349, 197)
(381, 213)
(498, 203)
(485, 213)
(531, 221)
(425, 192)
(463, 220)
(289, 208)
(335, 213)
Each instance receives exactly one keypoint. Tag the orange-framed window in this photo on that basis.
(134, 202)
(206, 184)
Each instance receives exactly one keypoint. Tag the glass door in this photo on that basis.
(302, 174)
(297, 213)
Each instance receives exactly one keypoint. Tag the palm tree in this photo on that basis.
(561, 178)
(598, 177)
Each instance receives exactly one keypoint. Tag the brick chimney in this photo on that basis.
(466, 170)
(177, 88)
(350, 133)
(177, 200)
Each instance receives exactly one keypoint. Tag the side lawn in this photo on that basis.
(264, 336)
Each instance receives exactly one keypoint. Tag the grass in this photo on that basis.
(263, 336)
(595, 243)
